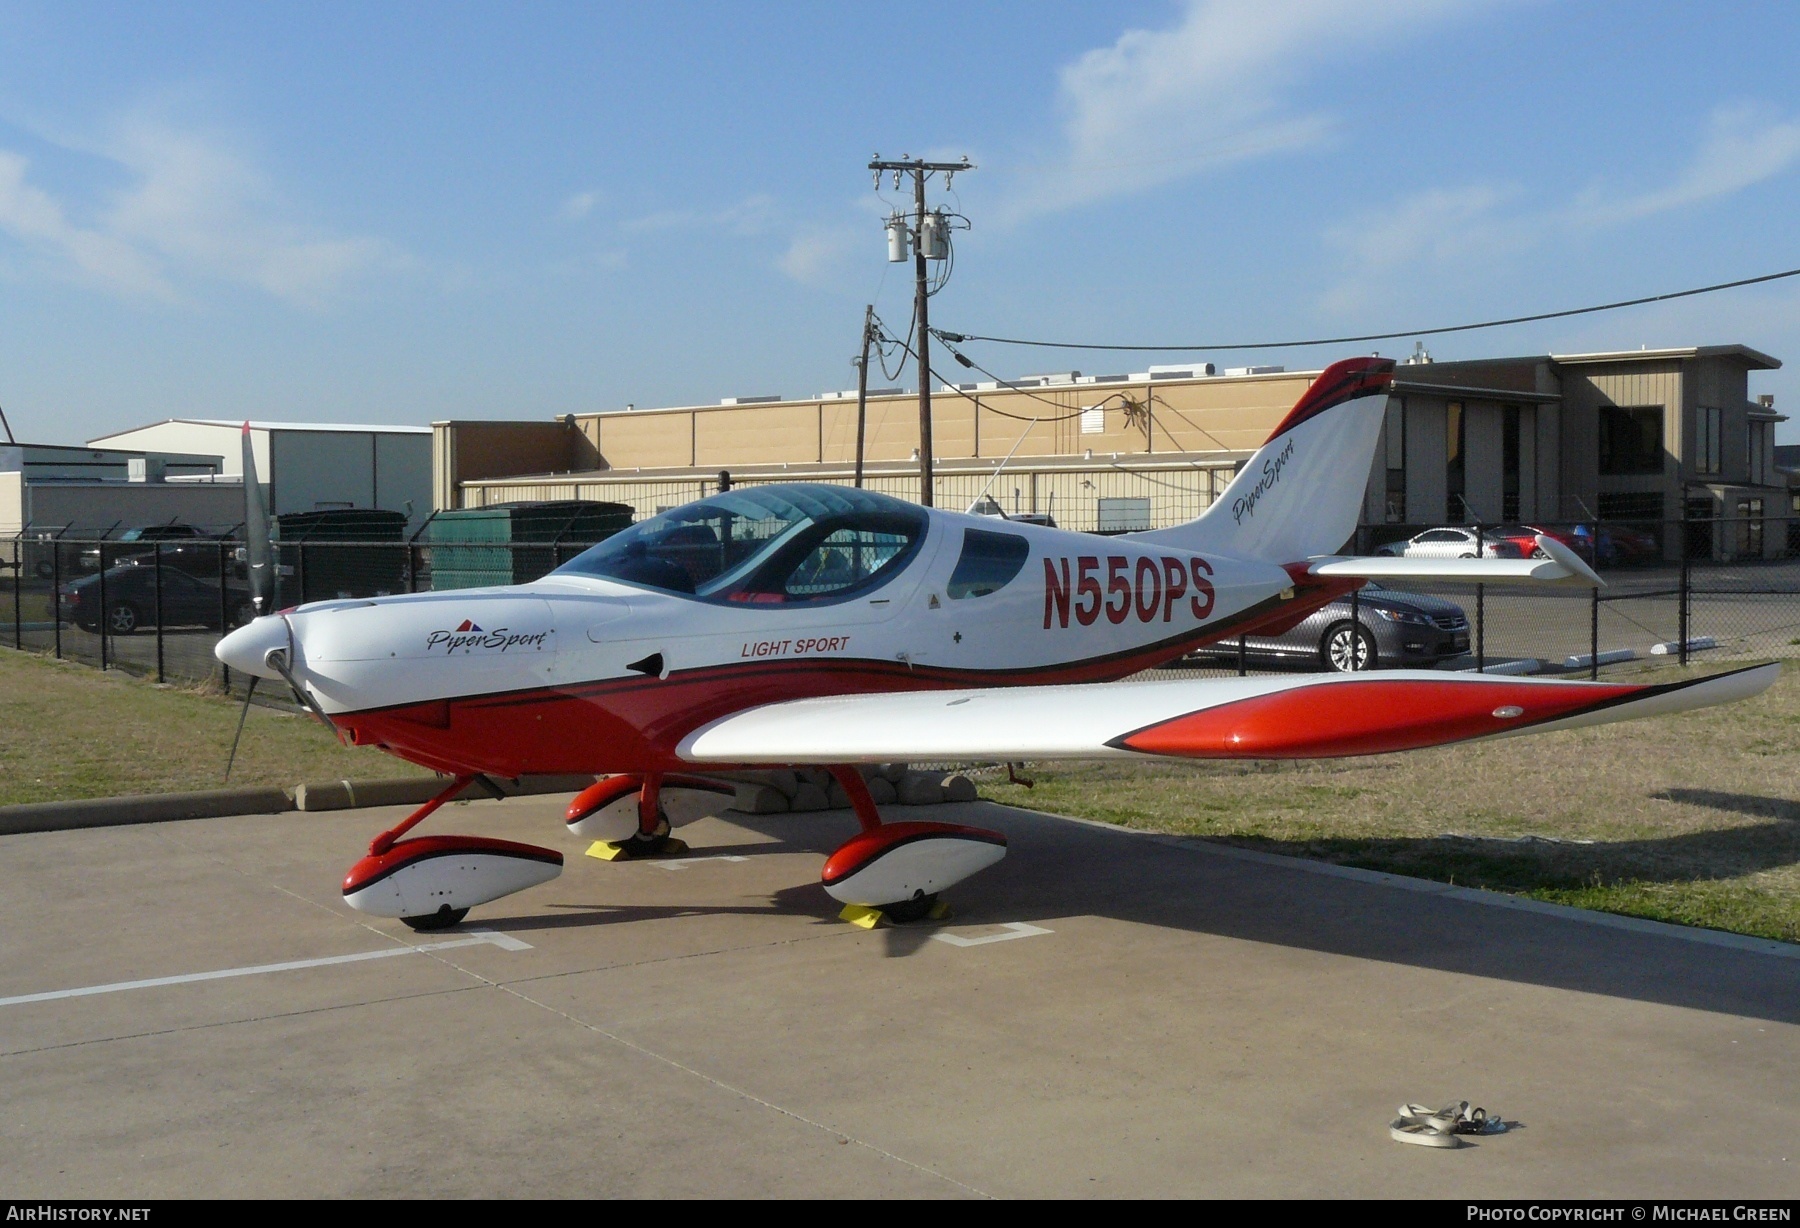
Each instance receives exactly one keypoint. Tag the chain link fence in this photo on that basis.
(157, 609)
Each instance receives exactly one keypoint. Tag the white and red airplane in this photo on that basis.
(817, 625)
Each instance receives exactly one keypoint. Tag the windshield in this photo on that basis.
(764, 544)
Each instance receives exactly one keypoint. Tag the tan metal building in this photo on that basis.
(1094, 452)
(1647, 436)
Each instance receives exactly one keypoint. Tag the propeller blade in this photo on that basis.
(232, 758)
(258, 552)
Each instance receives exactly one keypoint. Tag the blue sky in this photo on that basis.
(407, 212)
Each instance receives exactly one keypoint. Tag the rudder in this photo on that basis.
(1301, 494)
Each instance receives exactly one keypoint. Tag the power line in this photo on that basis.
(948, 337)
(1063, 414)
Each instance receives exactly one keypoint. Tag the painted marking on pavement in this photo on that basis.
(475, 938)
(1016, 929)
(685, 862)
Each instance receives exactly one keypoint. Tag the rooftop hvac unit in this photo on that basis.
(1190, 371)
(1254, 370)
(750, 400)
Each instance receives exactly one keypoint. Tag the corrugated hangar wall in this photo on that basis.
(1167, 445)
(1167, 495)
(1136, 419)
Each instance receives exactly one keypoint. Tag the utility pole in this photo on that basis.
(929, 242)
(862, 388)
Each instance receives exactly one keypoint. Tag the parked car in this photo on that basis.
(187, 601)
(1453, 542)
(183, 547)
(1524, 538)
(1621, 545)
(1392, 630)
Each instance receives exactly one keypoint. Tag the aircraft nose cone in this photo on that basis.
(247, 649)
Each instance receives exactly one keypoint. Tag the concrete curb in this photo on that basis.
(150, 808)
(411, 791)
(222, 803)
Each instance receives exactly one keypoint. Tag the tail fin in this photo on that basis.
(1301, 494)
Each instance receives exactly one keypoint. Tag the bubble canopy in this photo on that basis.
(777, 544)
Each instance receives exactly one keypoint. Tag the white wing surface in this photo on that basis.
(1563, 566)
(1289, 717)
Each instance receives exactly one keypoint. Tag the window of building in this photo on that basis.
(1756, 452)
(1455, 482)
(1631, 439)
(1709, 425)
(1750, 528)
(1395, 428)
(988, 564)
(1509, 462)
(1124, 515)
(1634, 505)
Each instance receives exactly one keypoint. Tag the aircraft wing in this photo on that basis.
(1285, 717)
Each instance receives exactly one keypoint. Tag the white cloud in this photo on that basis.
(579, 205)
(1440, 224)
(1161, 104)
(36, 220)
(818, 256)
(191, 209)
(1477, 224)
(1745, 144)
(751, 215)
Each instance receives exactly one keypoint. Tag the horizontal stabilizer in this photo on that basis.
(1563, 566)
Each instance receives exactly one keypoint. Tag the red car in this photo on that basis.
(1525, 538)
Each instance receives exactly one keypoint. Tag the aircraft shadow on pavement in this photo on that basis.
(1058, 868)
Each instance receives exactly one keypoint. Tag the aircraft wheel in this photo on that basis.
(1465, 556)
(915, 909)
(442, 919)
(1340, 642)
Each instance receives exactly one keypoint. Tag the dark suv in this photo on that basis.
(183, 547)
(1392, 630)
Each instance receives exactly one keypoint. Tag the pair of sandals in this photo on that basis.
(1426, 1127)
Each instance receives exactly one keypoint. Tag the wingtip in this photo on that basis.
(1572, 562)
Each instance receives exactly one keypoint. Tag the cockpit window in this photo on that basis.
(764, 544)
(989, 562)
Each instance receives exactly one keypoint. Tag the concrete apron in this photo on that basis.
(1150, 1017)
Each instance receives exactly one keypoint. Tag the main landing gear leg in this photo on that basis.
(652, 838)
(894, 871)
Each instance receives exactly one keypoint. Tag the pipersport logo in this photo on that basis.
(1245, 504)
(468, 637)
